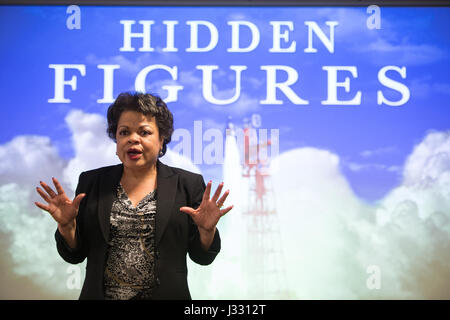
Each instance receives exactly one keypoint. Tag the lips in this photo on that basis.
(134, 154)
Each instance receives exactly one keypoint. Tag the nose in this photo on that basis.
(133, 138)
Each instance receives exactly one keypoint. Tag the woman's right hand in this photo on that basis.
(62, 209)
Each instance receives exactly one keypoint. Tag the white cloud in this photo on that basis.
(32, 248)
(93, 148)
(28, 159)
(367, 154)
(429, 159)
(377, 152)
(312, 196)
(357, 167)
(409, 54)
(176, 160)
(31, 252)
(331, 237)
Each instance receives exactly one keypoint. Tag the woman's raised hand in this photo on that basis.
(207, 215)
(62, 209)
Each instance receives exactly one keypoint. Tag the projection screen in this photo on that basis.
(329, 125)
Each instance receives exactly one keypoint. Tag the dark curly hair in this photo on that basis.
(146, 104)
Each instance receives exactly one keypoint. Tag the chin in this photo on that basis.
(138, 164)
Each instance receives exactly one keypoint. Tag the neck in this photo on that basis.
(139, 174)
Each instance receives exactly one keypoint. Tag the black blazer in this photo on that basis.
(176, 233)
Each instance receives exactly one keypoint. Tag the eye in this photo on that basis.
(123, 132)
(145, 133)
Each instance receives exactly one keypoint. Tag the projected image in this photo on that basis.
(329, 126)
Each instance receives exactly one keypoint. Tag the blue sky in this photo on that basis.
(372, 141)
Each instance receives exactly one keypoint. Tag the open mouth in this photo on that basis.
(134, 154)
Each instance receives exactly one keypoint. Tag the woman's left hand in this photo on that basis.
(208, 214)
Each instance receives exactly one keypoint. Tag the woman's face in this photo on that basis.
(138, 140)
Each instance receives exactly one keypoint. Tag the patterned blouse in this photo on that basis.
(129, 272)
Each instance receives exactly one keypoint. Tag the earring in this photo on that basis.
(161, 153)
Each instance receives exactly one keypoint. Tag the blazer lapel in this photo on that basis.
(107, 187)
(167, 181)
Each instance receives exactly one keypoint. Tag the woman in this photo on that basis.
(136, 221)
